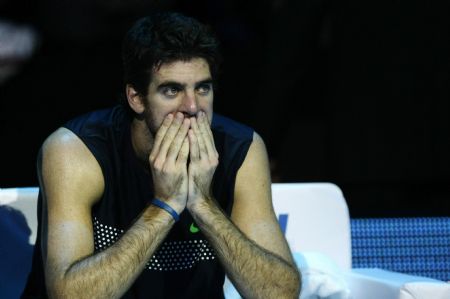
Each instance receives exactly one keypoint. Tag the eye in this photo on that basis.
(204, 89)
(170, 91)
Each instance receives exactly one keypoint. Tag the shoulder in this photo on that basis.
(232, 140)
(98, 122)
(258, 147)
(226, 126)
(62, 142)
(256, 161)
(63, 150)
(103, 132)
(66, 165)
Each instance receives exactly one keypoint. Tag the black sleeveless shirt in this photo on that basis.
(185, 265)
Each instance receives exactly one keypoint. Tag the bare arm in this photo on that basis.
(72, 182)
(251, 246)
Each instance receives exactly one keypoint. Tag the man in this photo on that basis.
(162, 200)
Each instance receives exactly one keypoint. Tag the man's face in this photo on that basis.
(180, 86)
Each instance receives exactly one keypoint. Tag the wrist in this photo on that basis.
(172, 210)
(201, 205)
(178, 204)
(205, 212)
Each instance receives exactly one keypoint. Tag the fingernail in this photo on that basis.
(179, 115)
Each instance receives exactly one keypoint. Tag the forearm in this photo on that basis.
(256, 272)
(110, 273)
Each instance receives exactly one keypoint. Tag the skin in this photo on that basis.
(173, 125)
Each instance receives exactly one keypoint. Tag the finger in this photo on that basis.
(170, 135)
(177, 142)
(207, 137)
(208, 126)
(194, 153)
(184, 152)
(200, 141)
(160, 135)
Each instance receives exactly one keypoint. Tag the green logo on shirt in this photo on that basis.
(193, 229)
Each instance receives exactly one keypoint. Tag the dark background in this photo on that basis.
(351, 92)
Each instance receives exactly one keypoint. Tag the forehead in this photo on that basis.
(190, 71)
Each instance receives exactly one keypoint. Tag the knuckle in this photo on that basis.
(214, 161)
(158, 165)
(173, 154)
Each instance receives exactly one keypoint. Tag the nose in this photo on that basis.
(189, 105)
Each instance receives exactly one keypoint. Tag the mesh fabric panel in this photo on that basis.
(417, 246)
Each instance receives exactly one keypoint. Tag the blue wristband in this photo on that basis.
(166, 207)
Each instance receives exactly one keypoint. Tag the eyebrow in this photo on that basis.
(182, 86)
(206, 81)
(170, 84)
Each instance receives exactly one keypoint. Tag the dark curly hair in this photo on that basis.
(164, 38)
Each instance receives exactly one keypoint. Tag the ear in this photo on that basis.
(134, 100)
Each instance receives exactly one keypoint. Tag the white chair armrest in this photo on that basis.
(377, 283)
(25, 201)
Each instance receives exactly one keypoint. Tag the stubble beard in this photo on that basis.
(152, 128)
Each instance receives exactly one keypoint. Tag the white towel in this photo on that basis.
(321, 277)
